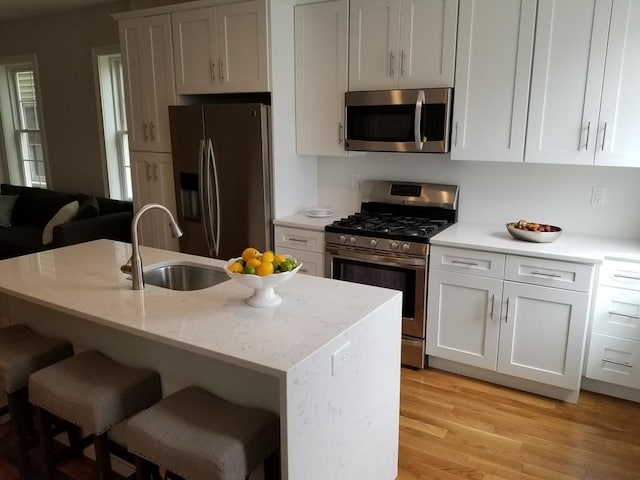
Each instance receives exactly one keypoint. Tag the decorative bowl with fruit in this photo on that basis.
(534, 232)
(262, 272)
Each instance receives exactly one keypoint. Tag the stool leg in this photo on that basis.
(272, 466)
(43, 423)
(19, 411)
(103, 458)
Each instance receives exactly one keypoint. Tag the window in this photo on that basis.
(22, 125)
(114, 123)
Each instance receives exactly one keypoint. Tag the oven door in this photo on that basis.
(407, 274)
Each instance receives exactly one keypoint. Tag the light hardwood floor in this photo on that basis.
(454, 428)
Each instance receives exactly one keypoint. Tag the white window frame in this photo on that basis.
(13, 165)
(113, 123)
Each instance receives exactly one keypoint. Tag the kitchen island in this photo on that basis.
(326, 360)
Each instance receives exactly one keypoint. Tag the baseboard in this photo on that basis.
(611, 389)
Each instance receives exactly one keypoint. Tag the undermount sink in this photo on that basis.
(183, 276)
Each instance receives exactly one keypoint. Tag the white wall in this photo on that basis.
(496, 193)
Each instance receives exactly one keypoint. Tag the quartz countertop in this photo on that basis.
(85, 281)
(569, 246)
(302, 220)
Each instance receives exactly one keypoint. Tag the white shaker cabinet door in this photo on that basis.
(373, 44)
(196, 50)
(463, 318)
(427, 43)
(618, 141)
(542, 334)
(493, 67)
(566, 81)
(243, 47)
(321, 34)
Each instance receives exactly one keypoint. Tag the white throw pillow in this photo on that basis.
(64, 215)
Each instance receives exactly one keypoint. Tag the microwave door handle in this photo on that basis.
(417, 120)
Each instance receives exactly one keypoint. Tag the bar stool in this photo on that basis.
(22, 352)
(197, 435)
(93, 392)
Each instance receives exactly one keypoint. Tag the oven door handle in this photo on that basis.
(418, 120)
(411, 263)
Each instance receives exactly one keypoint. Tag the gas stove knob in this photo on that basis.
(373, 242)
(406, 247)
(343, 239)
(353, 240)
(394, 245)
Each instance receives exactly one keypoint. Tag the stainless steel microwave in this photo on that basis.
(416, 121)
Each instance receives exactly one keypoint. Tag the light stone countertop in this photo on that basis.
(302, 220)
(569, 246)
(84, 280)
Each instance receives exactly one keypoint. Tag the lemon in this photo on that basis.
(249, 253)
(268, 256)
(236, 267)
(264, 269)
(254, 262)
(280, 258)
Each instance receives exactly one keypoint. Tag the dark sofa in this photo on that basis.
(34, 207)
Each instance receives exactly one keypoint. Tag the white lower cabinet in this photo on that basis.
(152, 176)
(532, 329)
(614, 349)
(306, 246)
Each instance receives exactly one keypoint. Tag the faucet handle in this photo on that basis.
(126, 268)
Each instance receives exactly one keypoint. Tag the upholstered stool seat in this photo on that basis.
(197, 435)
(23, 352)
(95, 393)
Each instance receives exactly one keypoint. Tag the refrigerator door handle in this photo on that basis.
(201, 196)
(211, 165)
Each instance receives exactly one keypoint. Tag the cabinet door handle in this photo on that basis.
(155, 172)
(402, 58)
(340, 135)
(464, 262)
(586, 144)
(299, 240)
(604, 136)
(148, 171)
(212, 70)
(545, 274)
(391, 64)
(455, 137)
(506, 315)
(630, 277)
(145, 131)
(221, 71)
(493, 298)
(152, 127)
(626, 315)
(622, 364)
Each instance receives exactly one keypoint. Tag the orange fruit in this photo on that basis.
(236, 268)
(249, 253)
(268, 256)
(254, 262)
(264, 269)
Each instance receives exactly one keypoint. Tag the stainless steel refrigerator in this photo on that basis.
(222, 177)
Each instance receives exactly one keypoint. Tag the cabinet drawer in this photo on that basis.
(313, 262)
(472, 262)
(549, 273)
(620, 274)
(617, 312)
(614, 360)
(299, 239)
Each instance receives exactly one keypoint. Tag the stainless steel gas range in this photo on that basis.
(386, 244)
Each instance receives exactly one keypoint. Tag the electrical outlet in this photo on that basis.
(598, 196)
(355, 180)
(340, 357)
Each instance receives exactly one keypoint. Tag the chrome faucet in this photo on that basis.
(135, 262)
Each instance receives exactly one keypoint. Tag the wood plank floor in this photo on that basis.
(454, 428)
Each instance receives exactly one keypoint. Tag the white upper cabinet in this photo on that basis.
(566, 81)
(321, 37)
(401, 43)
(149, 83)
(222, 49)
(493, 66)
(618, 141)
